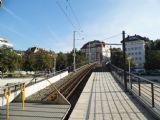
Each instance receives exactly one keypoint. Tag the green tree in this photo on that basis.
(152, 55)
(9, 60)
(39, 61)
(153, 60)
(117, 58)
(80, 59)
(61, 61)
(157, 44)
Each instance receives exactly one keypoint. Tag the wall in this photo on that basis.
(34, 88)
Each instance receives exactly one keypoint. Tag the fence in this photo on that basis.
(146, 91)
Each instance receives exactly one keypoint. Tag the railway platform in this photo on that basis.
(104, 99)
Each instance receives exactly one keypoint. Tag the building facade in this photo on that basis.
(96, 51)
(135, 48)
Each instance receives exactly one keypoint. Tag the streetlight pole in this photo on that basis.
(129, 67)
(74, 52)
(55, 58)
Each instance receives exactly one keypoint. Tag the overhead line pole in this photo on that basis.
(74, 52)
(89, 53)
(124, 61)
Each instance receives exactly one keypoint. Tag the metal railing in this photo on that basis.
(147, 92)
(35, 79)
(38, 77)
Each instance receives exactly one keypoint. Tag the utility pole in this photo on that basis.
(89, 53)
(124, 61)
(74, 52)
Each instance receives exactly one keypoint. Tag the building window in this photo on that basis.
(139, 53)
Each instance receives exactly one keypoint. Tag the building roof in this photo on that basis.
(135, 38)
(35, 49)
(96, 43)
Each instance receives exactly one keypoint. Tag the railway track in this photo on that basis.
(66, 86)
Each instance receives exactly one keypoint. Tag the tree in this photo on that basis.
(152, 55)
(9, 60)
(157, 44)
(39, 61)
(152, 60)
(61, 61)
(117, 58)
(69, 59)
(80, 59)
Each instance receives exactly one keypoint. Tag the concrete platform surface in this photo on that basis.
(35, 111)
(103, 99)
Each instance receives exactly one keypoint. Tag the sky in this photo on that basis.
(50, 24)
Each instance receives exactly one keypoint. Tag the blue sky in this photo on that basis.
(41, 23)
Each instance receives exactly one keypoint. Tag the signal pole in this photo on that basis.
(124, 60)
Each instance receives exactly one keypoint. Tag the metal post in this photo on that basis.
(139, 86)
(131, 83)
(74, 52)
(152, 90)
(7, 94)
(55, 64)
(89, 53)
(110, 53)
(129, 69)
(124, 61)
(23, 95)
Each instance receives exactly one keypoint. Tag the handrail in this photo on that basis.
(12, 85)
(148, 96)
(135, 75)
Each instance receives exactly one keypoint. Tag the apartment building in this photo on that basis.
(96, 51)
(135, 48)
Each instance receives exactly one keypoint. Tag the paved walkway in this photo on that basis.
(103, 99)
(34, 111)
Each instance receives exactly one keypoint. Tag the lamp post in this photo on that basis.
(55, 57)
(129, 67)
